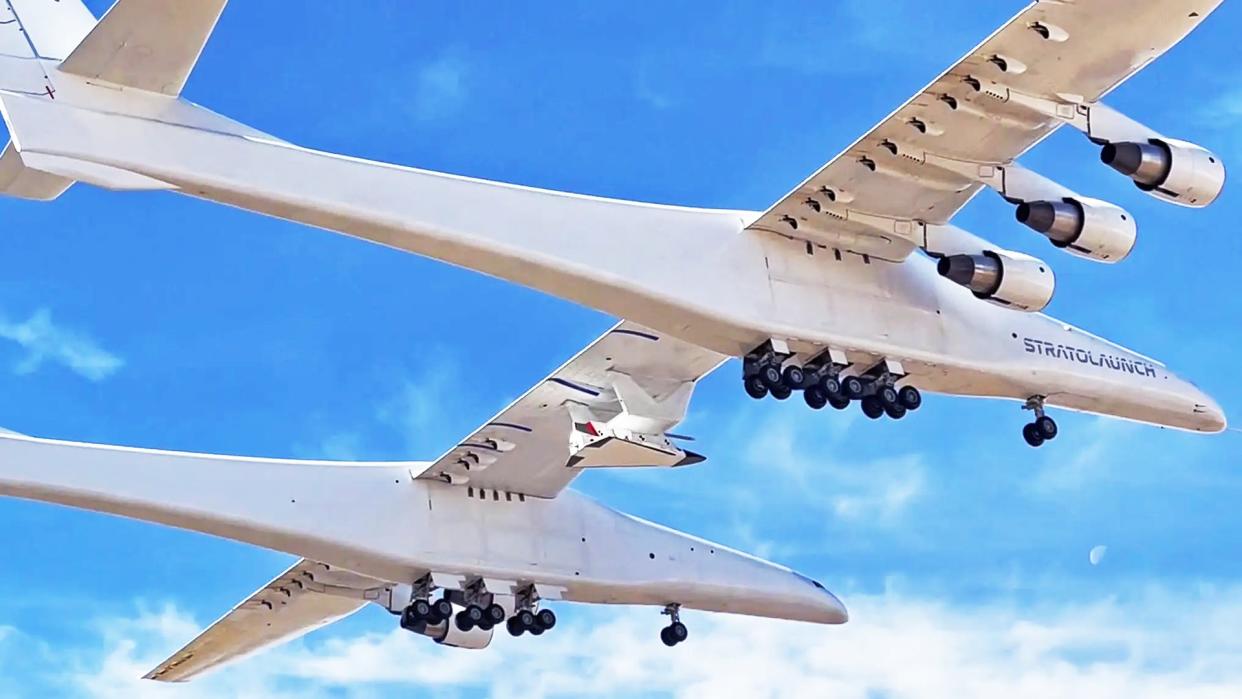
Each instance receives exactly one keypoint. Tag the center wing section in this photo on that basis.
(926, 161)
(613, 405)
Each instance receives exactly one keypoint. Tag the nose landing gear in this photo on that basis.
(1043, 428)
(676, 631)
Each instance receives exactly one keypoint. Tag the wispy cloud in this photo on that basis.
(1179, 643)
(44, 341)
(441, 88)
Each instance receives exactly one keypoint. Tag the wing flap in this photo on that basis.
(149, 45)
(306, 597)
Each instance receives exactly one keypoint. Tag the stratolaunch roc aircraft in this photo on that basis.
(854, 287)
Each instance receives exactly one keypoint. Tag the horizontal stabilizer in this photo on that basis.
(149, 45)
(18, 180)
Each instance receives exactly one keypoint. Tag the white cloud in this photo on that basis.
(1159, 643)
(45, 341)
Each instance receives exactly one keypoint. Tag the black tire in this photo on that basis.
(515, 627)
(421, 609)
(815, 397)
(409, 622)
(678, 632)
(546, 619)
(495, 613)
(755, 387)
(910, 397)
(1032, 436)
(536, 630)
(872, 407)
(831, 386)
(887, 395)
(895, 411)
(462, 622)
(666, 638)
(853, 387)
(839, 402)
(782, 392)
(770, 374)
(793, 377)
(526, 618)
(443, 609)
(1047, 428)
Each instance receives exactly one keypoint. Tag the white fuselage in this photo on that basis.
(380, 521)
(698, 274)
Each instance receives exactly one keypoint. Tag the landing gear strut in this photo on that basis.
(1043, 428)
(676, 631)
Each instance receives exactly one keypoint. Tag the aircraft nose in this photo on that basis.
(1211, 417)
(828, 607)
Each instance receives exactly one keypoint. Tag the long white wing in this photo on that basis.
(611, 405)
(306, 597)
(865, 200)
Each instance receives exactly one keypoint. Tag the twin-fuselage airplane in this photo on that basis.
(853, 288)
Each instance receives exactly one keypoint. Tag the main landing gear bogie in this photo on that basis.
(767, 372)
(425, 611)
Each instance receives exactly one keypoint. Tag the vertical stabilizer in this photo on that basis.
(149, 45)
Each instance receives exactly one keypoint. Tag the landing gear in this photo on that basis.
(872, 407)
(676, 631)
(781, 392)
(815, 397)
(422, 611)
(756, 388)
(910, 397)
(473, 615)
(853, 387)
(526, 619)
(1043, 429)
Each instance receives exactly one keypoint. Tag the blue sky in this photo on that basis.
(155, 320)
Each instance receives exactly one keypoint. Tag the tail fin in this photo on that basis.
(148, 45)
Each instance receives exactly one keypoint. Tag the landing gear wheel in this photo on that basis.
(872, 407)
(853, 387)
(1030, 432)
(831, 386)
(469, 618)
(536, 630)
(546, 619)
(515, 627)
(409, 621)
(770, 375)
(1047, 427)
(673, 634)
(895, 411)
(756, 388)
(421, 609)
(887, 396)
(910, 397)
(839, 402)
(793, 377)
(525, 619)
(815, 397)
(495, 614)
(782, 392)
(442, 609)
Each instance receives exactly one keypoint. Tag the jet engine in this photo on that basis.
(1175, 171)
(446, 633)
(1005, 278)
(1085, 227)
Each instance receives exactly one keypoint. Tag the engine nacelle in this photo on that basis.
(1006, 278)
(447, 634)
(1175, 171)
(1085, 227)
